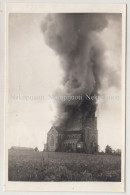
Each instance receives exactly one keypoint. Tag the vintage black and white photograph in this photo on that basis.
(66, 82)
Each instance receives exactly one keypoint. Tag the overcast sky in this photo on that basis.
(34, 70)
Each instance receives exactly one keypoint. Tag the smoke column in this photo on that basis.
(74, 39)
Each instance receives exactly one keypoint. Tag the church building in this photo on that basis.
(83, 140)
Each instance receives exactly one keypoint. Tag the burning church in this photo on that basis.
(74, 39)
(83, 137)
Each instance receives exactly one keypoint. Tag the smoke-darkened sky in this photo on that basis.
(73, 37)
(63, 54)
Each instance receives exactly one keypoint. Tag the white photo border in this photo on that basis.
(66, 8)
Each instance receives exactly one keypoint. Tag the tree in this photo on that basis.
(36, 149)
(108, 149)
(118, 152)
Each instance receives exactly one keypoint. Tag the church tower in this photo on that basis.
(89, 127)
(91, 135)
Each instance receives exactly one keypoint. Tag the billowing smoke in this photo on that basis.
(74, 39)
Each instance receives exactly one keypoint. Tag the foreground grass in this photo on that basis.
(32, 166)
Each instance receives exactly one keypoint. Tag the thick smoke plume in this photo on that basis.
(74, 39)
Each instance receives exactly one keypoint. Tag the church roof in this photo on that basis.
(73, 132)
(68, 132)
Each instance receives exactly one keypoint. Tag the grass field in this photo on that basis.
(41, 166)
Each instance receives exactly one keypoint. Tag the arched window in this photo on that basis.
(52, 140)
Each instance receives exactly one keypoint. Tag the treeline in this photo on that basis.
(109, 150)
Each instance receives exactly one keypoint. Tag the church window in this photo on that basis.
(52, 140)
